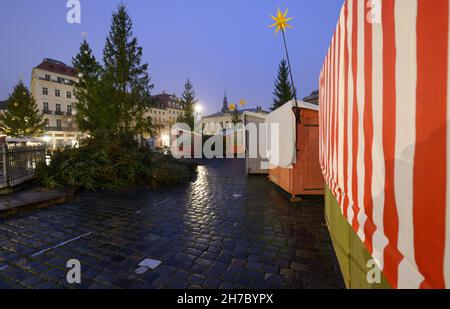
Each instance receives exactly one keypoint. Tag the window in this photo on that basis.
(58, 107)
(47, 122)
(60, 80)
(58, 123)
(45, 91)
(69, 110)
(45, 106)
(47, 77)
(57, 93)
(69, 95)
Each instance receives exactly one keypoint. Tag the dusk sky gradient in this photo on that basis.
(219, 44)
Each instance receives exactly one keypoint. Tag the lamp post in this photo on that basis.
(198, 118)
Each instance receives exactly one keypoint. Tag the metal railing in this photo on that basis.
(18, 163)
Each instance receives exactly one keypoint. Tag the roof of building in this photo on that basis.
(56, 66)
(257, 110)
(313, 97)
(165, 101)
(3, 104)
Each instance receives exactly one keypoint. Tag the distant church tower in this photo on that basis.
(225, 108)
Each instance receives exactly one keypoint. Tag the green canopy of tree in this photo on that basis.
(114, 98)
(127, 75)
(188, 101)
(284, 92)
(22, 117)
(236, 116)
(93, 113)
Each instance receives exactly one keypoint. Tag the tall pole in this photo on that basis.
(292, 78)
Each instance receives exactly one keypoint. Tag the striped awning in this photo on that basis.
(385, 135)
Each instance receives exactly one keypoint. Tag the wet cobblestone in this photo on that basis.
(204, 235)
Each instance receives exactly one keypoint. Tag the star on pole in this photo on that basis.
(281, 21)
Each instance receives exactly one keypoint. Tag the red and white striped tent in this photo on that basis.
(385, 135)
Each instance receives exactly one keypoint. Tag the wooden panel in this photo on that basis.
(313, 176)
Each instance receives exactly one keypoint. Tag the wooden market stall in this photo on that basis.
(295, 164)
(255, 143)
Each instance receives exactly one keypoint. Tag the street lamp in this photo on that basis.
(198, 118)
(198, 108)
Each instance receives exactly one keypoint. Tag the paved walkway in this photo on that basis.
(225, 230)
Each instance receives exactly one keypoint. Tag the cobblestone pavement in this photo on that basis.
(224, 230)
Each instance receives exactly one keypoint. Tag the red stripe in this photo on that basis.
(346, 68)
(327, 92)
(355, 143)
(369, 226)
(392, 256)
(327, 84)
(320, 117)
(331, 105)
(430, 157)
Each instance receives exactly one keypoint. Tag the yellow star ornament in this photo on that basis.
(281, 21)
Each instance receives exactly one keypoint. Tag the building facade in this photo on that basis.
(52, 84)
(166, 109)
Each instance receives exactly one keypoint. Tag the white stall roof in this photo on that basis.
(282, 148)
(304, 105)
(256, 115)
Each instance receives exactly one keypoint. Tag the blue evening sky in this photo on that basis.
(219, 44)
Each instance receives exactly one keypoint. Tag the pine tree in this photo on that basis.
(188, 101)
(235, 114)
(127, 75)
(21, 118)
(284, 91)
(92, 107)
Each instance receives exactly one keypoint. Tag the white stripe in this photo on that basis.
(336, 106)
(379, 170)
(360, 83)
(60, 244)
(330, 106)
(447, 208)
(406, 81)
(335, 111)
(340, 122)
(350, 113)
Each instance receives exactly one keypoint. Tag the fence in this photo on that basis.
(18, 163)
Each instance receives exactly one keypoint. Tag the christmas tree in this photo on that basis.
(125, 73)
(188, 101)
(235, 114)
(284, 91)
(21, 118)
(92, 110)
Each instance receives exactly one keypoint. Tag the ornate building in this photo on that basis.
(224, 118)
(164, 113)
(52, 87)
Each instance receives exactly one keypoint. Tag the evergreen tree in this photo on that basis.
(127, 76)
(188, 101)
(93, 112)
(21, 118)
(284, 92)
(235, 114)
